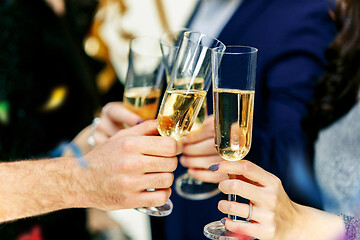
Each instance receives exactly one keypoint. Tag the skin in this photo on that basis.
(114, 116)
(120, 169)
(199, 153)
(274, 216)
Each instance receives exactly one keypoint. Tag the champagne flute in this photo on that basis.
(186, 185)
(233, 94)
(190, 80)
(144, 79)
(143, 86)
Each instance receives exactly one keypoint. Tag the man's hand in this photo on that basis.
(130, 162)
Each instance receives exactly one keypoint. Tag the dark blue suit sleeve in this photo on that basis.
(291, 36)
(286, 77)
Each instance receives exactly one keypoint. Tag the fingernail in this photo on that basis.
(140, 121)
(214, 167)
(223, 220)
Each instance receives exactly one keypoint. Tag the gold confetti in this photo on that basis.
(57, 97)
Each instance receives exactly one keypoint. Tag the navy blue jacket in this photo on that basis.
(291, 36)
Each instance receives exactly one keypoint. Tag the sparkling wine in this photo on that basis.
(143, 101)
(178, 112)
(201, 116)
(233, 122)
(196, 84)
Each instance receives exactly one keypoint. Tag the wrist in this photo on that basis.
(76, 183)
(317, 224)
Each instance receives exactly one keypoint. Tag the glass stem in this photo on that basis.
(232, 197)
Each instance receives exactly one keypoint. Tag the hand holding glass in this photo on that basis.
(233, 92)
(186, 185)
(143, 85)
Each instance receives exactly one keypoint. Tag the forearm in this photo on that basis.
(29, 188)
(317, 224)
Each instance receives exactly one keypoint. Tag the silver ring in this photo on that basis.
(91, 140)
(250, 212)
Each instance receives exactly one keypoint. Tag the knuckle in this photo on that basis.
(246, 165)
(123, 184)
(272, 201)
(107, 107)
(231, 208)
(127, 145)
(233, 186)
(128, 165)
(170, 146)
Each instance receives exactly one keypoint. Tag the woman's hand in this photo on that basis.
(199, 153)
(112, 119)
(274, 215)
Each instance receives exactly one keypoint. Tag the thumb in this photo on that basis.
(147, 128)
(119, 114)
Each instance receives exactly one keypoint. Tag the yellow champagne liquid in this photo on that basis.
(178, 112)
(196, 84)
(233, 122)
(143, 101)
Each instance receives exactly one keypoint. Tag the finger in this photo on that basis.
(241, 210)
(118, 113)
(207, 176)
(146, 128)
(205, 147)
(99, 138)
(158, 164)
(204, 132)
(134, 163)
(157, 180)
(150, 145)
(154, 198)
(200, 162)
(246, 190)
(108, 127)
(244, 228)
(160, 146)
(249, 170)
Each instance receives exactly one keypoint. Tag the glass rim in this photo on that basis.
(207, 36)
(252, 51)
(165, 34)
